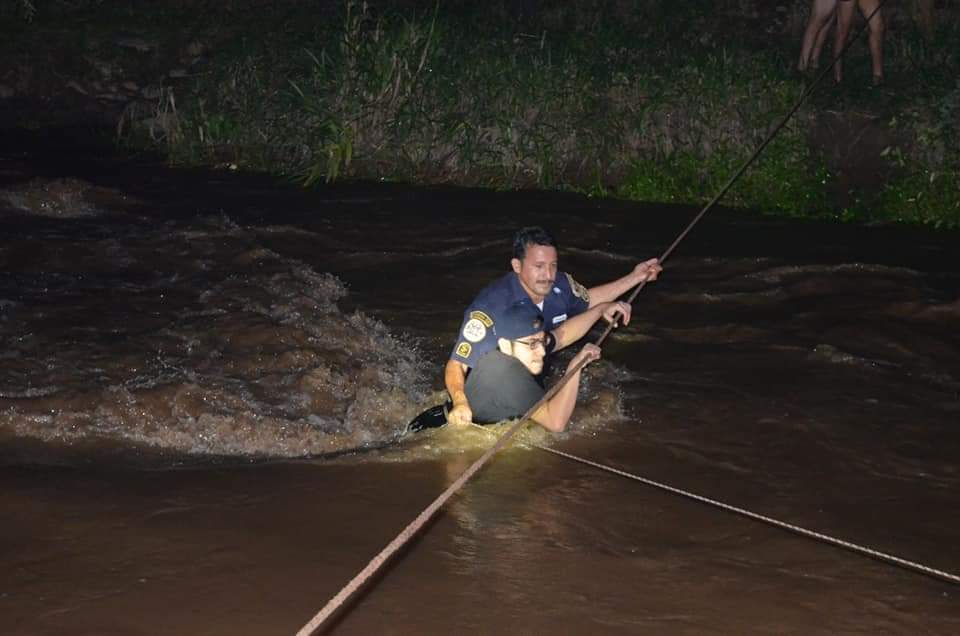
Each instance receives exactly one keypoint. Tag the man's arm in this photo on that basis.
(575, 328)
(454, 377)
(645, 271)
(555, 414)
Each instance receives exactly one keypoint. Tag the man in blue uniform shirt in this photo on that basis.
(569, 309)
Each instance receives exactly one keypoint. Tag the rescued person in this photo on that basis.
(535, 279)
(503, 384)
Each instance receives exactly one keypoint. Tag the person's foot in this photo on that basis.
(433, 417)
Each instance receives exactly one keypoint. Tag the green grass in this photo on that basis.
(645, 99)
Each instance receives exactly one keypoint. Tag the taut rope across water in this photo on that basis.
(819, 536)
(414, 526)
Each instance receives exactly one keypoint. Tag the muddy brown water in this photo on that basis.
(205, 378)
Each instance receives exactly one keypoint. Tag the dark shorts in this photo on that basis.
(499, 388)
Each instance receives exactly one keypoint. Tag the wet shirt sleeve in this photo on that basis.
(500, 388)
(475, 337)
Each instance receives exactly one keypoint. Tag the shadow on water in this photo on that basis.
(270, 345)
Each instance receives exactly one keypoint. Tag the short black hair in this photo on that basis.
(535, 235)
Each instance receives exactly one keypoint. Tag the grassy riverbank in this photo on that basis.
(643, 99)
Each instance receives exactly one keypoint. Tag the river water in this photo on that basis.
(206, 376)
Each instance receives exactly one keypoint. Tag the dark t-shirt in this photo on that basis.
(499, 387)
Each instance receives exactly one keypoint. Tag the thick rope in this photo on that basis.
(391, 548)
(407, 533)
(357, 581)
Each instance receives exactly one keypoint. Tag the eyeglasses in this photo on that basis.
(533, 344)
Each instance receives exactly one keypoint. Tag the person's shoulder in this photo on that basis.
(494, 296)
(500, 362)
(569, 286)
(502, 285)
(501, 372)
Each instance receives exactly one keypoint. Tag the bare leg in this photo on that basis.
(818, 44)
(868, 7)
(820, 13)
(844, 20)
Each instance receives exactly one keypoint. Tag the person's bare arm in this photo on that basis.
(575, 328)
(555, 414)
(645, 271)
(454, 377)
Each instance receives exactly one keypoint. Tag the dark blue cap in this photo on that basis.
(518, 321)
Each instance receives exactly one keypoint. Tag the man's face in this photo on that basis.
(537, 270)
(530, 351)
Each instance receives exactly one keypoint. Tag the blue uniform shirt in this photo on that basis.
(478, 333)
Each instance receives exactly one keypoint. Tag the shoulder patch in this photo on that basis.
(464, 349)
(482, 317)
(578, 290)
(474, 331)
